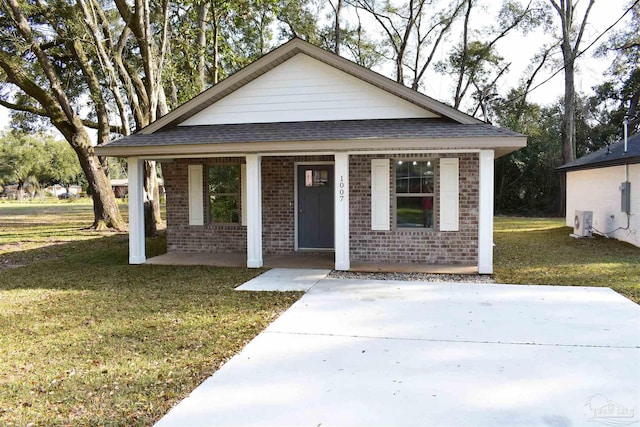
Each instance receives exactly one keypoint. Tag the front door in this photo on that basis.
(315, 206)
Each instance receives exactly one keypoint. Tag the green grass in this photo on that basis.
(540, 251)
(87, 340)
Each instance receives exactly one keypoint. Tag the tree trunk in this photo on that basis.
(337, 31)
(569, 116)
(152, 191)
(203, 11)
(562, 203)
(105, 208)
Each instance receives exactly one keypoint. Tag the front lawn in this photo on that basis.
(87, 340)
(540, 251)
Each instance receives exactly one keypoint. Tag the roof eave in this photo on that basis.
(601, 164)
(501, 146)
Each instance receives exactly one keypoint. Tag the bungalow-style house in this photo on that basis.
(607, 182)
(303, 151)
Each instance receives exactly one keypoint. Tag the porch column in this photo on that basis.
(136, 210)
(342, 211)
(254, 211)
(485, 213)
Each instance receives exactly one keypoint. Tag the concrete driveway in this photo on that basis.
(379, 353)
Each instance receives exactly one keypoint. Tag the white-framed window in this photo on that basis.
(224, 193)
(414, 185)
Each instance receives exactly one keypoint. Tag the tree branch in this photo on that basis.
(25, 108)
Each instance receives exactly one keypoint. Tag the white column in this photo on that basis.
(485, 213)
(254, 211)
(136, 210)
(341, 201)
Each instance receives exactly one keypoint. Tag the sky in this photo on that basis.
(518, 49)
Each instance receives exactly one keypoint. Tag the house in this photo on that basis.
(120, 187)
(303, 151)
(607, 182)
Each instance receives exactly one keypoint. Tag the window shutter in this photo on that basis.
(243, 193)
(196, 200)
(449, 194)
(380, 194)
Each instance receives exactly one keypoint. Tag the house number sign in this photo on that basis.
(341, 188)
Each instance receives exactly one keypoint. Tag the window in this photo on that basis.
(414, 194)
(224, 194)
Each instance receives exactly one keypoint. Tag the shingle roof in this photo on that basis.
(612, 155)
(313, 131)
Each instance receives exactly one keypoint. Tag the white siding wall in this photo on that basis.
(598, 190)
(304, 89)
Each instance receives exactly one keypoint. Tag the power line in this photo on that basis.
(577, 55)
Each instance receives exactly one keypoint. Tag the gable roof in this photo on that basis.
(613, 155)
(282, 54)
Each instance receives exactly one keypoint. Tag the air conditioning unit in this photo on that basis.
(582, 223)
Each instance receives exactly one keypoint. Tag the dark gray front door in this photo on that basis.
(315, 206)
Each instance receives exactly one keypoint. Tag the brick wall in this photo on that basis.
(182, 237)
(278, 199)
(413, 246)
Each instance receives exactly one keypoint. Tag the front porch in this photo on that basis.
(361, 217)
(303, 261)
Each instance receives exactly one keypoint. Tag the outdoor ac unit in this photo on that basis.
(582, 223)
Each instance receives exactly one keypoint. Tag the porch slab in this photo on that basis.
(200, 258)
(315, 260)
(303, 261)
(285, 279)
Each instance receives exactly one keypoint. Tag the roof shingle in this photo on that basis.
(313, 131)
(612, 155)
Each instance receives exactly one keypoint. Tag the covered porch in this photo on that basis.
(353, 231)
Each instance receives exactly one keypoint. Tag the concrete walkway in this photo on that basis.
(374, 353)
(285, 279)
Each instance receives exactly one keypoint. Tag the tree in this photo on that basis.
(62, 165)
(409, 29)
(526, 181)
(39, 57)
(22, 159)
(571, 35)
(623, 87)
(475, 62)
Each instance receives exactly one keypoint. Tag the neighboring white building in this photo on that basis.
(594, 183)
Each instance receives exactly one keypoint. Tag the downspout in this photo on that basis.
(626, 136)
(626, 165)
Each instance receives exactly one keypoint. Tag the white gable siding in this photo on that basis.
(598, 190)
(305, 89)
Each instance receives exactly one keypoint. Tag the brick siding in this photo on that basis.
(182, 237)
(278, 203)
(413, 246)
